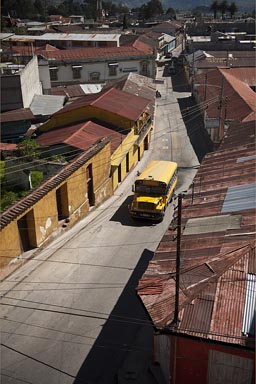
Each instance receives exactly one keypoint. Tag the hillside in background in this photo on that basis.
(243, 5)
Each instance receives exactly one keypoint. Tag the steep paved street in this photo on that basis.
(71, 314)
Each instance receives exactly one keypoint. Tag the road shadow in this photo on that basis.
(123, 217)
(119, 336)
(194, 122)
(179, 81)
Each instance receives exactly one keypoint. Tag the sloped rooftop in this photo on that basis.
(81, 136)
(113, 100)
(238, 97)
(218, 262)
(17, 115)
(94, 54)
(29, 200)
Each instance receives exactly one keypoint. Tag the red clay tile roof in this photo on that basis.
(81, 136)
(143, 47)
(113, 100)
(25, 50)
(110, 53)
(214, 263)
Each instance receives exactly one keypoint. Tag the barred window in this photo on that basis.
(95, 76)
(112, 69)
(53, 73)
(77, 71)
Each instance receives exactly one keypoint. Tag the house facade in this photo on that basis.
(63, 198)
(92, 65)
(225, 95)
(120, 111)
(19, 84)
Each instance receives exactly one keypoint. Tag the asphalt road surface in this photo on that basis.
(71, 314)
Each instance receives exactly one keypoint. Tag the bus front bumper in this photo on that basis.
(147, 215)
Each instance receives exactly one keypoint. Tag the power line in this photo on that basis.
(41, 362)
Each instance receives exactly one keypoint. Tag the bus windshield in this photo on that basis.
(150, 190)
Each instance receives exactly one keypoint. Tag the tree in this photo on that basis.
(151, 9)
(232, 9)
(29, 149)
(39, 7)
(215, 8)
(223, 8)
(171, 12)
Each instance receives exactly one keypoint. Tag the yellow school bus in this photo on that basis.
(153, 190)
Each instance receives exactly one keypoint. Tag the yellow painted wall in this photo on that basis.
(84, 114)
(9, 243)
(46, 217)
(44, 213)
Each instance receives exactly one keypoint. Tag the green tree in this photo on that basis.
(223, 8)
(151, 9)
(29, 148)
(2, 171)
(215, 7)
(7, 199)
(171, 13)
(36, 178)
(232, 9)
(39, 7)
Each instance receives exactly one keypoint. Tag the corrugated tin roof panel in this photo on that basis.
(81, 136)
(239, 198)
(46, 105)
(246, 158)
(17, 115)
(221, 258)
(113, 100)
(250, 304)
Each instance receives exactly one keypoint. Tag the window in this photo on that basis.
(112, 69)
(76, 71)
(95, 76)
(144, 68)
(53, 73)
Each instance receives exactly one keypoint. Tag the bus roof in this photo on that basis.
(159, 170)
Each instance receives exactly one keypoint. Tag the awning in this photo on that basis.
(52, 68)
(113, 64)
(77, 66)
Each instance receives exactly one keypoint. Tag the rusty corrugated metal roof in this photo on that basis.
(8, 147)
(113, 100)
(81, 136)
(17, 115)
(238, 97)
(214, 264)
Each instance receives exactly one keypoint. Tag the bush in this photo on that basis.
(36, 178)
(7, 199)
(2, 170)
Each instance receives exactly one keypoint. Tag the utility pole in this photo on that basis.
(177, 285)
(205, 86)
(221, 123)
(193, 73)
